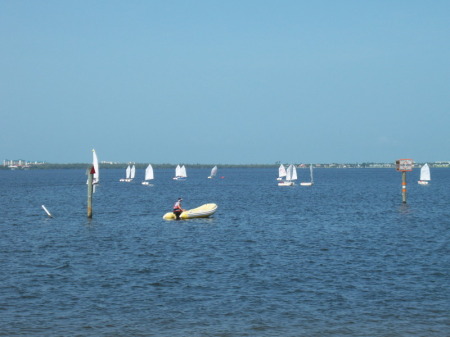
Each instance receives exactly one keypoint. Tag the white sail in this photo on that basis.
(291, 175)
(294, 173)
(289, 172)
(177, 171)
(149, 172)
(281, 171)
(183, 172)
(213, 172)
(133, 172)
(96, 177)
(128, 172)
(180, 173)
(311, 182)
(425, 173)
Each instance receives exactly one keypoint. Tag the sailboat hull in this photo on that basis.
(286, 183)
(422, 182)
(203, 211)
(306, 184)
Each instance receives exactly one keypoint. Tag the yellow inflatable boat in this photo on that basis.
(203, 211)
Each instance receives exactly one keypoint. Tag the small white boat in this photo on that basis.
(177, 172)
(291, 176)
(148, 175)
(127, 174)
(311, 182)
(213, 172)
(425, 176)
(130, 173)
(281, 172)
(180, 173)
(203, 211)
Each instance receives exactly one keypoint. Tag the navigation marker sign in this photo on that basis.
(404, 165)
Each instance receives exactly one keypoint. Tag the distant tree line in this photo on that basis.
(168, 166)
(139, 166)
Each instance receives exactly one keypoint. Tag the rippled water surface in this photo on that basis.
(344, 257)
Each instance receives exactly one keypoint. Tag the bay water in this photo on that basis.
(344, 257)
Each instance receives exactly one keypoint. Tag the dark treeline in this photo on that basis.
(139, 166)
(169, 166)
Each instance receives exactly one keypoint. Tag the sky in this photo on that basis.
(231, 82)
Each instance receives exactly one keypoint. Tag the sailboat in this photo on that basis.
(127, 174)
(424, 175)
(177, 172)
(183, 174)
(281, 172)
(291, 175)
(96, 177)
(213, 172)
(148, 175)
(130, 173)
(311, 182)
(180, 173)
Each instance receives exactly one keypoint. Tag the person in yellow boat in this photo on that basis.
(177, 209)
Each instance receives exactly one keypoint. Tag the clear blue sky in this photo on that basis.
(248, 81)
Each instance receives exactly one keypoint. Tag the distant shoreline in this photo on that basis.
(42, 166)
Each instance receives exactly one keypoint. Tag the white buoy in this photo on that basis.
(46, 211)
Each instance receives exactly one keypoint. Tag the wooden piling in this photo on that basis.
(404, 165)
(90, 192)
(404, 187)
